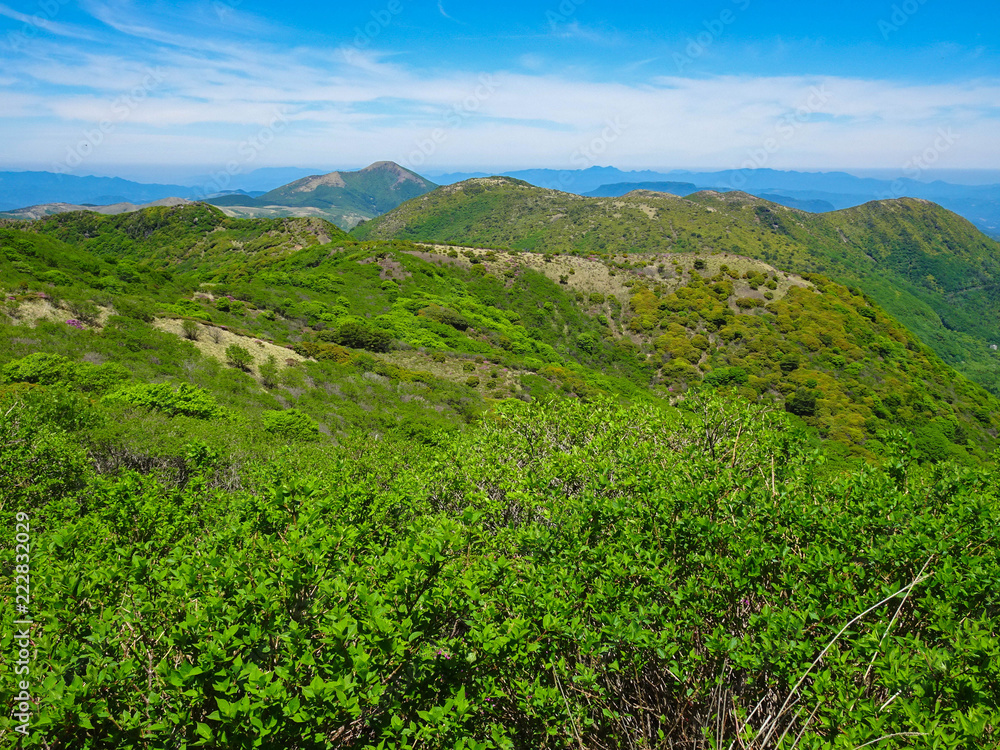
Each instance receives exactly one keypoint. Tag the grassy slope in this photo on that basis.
(890, 249)
(557, 574)
(493, 325)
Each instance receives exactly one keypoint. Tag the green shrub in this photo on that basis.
(138, 309)
(186, 400)
(85, 310)
(726, 377)
(51, 369)
(41, 368)
(268, 371)
(357, 335)
(57, 278)
(238, 356)
(802, 403)
(291, 424)
(444, 315)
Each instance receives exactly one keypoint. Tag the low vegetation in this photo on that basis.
(292, 489)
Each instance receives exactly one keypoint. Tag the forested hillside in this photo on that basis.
(931, 269)
(291, 489)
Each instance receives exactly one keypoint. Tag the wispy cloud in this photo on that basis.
(374, 104)
(576, 30)
(46, 24)
(445, 13)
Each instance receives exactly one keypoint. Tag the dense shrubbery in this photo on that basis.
(562, 576)
(185, 400)
(215, 570)
(51, 369)
(290, 425)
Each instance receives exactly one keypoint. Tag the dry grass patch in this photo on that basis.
(213, 341)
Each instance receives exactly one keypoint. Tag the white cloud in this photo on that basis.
(350, 105)
(42, 21)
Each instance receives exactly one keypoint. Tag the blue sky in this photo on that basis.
(162, 91)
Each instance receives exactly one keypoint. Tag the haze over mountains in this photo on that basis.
(344, 198)
(276, 192)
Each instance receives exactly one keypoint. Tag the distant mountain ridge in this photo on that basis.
(344, 198)
(683, 189)
(347, 197)
(810, 191)
(51, 209)
(21, 189)
(933, 270)
(980, 204)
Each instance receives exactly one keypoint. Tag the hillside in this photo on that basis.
(525, 324)
(619, 189)
(930, 268)
(683, 189)
(343, 494)
(50, 209)
(347, 198)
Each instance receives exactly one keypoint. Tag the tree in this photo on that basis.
(269, 372)
(238, 357)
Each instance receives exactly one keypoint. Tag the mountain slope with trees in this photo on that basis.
(346, 198)
(930, 268)
(285, 488)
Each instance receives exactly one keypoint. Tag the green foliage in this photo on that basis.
(268, 371)
(238, 357)
(190, 329)
(52, 369)
(802, 403)
(564, 574)
(185, 400)
(291, 424)
(358, 335)
(726, 377)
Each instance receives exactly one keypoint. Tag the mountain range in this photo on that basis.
(344, 198)
(362, 197)
(932, 269)
(980, 204)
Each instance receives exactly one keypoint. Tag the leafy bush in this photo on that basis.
(185, 400)
(445, 315)
(51, 369)
(41, 368)
(135, 308)
(802, 403)
(291, 424)
(238, 356)
(726, 376)
(357, 335)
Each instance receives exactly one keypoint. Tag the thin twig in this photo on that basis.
(819, 658)
(890, 736)
(569, 711)
(892, 622)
